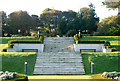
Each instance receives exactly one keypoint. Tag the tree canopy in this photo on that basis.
(112, 5)
(109, 26)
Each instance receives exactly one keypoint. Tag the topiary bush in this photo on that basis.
(107, 44)
(76, 38)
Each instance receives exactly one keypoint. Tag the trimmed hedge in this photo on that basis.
(11, 42)
(90, 42)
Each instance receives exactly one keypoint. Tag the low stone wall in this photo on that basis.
(107, 50)
(19, 47)
(10, 50)
(98, 47)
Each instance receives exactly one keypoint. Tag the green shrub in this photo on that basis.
(114, 49)
(85, 34)
(4, 50)
(76, 38)
(41, 38)
(107, 44)
(21, 77)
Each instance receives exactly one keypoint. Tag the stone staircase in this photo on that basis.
(59, 44)
(59, 57)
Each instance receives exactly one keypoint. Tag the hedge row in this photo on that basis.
(90, 42)
(11, 42)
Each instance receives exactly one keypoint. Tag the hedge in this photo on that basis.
(11, 42)
(90, 42)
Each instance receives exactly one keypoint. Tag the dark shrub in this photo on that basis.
(114, 49)
(4, 50)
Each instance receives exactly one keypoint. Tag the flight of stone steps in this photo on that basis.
(59, 57)
(59, 44)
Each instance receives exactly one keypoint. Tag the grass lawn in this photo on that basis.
(103, 62)
(15, 62)
(113, 40)
(6, 39)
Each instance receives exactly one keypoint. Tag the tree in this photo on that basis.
(112, 5)
(35, 22)
(53, 19)
(88, 18)
(62, 28)
(109, 26)
(71, 33)
(50, 18)
(4, 23)
(20, 20)
(47, 9)
(113, 31)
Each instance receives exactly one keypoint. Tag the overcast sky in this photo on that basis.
(37, 6)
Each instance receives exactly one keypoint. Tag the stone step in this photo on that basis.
(58, 69)
(58, 73)
(55, 63)
(81, 67)
(60, 53)
(59, 57)
(58, 61)
(55, 57)
(73, 53)
(61, 42)
(60, 64)
(46, 60)
(59, 38)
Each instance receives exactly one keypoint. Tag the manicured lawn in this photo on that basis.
(15, 62)
(113, 40)
(103, 62)
(4, 40)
